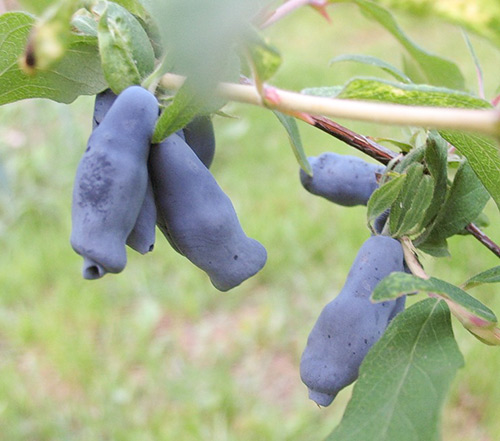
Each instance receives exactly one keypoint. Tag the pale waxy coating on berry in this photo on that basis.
(350, 324)
(341, 179)
(198, 218)
(111, 181)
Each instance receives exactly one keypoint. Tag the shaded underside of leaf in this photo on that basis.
(404, 379)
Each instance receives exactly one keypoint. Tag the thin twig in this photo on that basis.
(360, 142)
(483, 238)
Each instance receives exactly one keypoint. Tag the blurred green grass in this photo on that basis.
(156, 353)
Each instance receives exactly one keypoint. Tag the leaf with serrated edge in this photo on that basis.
(437, 70)
(373, 61)
(78, 73)
(404, 379)
(383, 197)
(491, 275)
(292, 129)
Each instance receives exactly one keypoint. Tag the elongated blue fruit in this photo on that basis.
(199, 135)
(143, 235)
(342, 179)
(111, 181)
(199, 217)
(350, 324)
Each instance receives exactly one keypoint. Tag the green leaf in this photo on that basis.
(483, 156)
(436, 248)
(373, 61)
(126, 52)
(398, 284)
(78, 73)
(404, 379)
(292, 129)
(481, 16)
(416, 156)
(382, 198)
(181, 111)
(477, 64)
(466, 199)
(437, 70)
(403, 146)
(436, 155)
(409, 208)
(477, 318)
(85, 25)
(376, 89)
(264, 58)
(491, 275)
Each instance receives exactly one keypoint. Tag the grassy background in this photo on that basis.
(156, 353)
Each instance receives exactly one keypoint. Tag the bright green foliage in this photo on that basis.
(409, 208)
(404, 379)
(79, 73)
(384, 196)
(126, 52)
(181, 111)
(264, 58)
